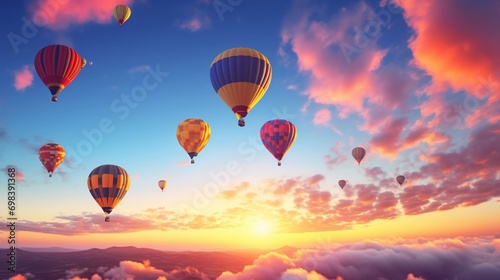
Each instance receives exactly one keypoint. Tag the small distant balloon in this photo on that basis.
(400, 179)
(162, 184)
(342, 183)
(122, 13)
(358, 153)
(84, 62)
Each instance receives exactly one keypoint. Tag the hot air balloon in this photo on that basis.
(57, 66)
(400, 179)
(51, 155)
(240, 76)
(278, 136)
(342, 183)
(193, 135)
(108, 184)
(84, 62)
(162, 184)
(122, 13)
(358, 153)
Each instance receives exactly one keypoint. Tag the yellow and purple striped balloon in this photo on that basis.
(241, 77)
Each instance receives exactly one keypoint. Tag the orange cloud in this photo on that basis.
(59, 15)
(23, 78)
(456, 42)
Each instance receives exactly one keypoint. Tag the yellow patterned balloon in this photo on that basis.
(193, 135)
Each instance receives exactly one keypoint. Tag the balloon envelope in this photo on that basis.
(241, 77)
(51, 155)
(193, 135)
(358, 153)
(122, 13)
(278, 136)
(400, 179)
(162, 184)
(57, 66)
(342, 183)
(108, 184)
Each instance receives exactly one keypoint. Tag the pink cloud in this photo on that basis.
(387, 141)
(60, 15)
(19, 175)
(391, 139)
(455, 42)
(338, 156)
(23, 78)
(471, 175)
(196, 23)
(322, 116)
(342, 66)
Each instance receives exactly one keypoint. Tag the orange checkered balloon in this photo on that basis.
(193, 135)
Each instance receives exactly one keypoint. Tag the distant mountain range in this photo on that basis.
(53, 263)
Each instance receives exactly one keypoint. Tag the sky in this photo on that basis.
(416, 83)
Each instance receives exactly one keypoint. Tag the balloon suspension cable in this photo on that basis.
(192, 161)
(241, 122)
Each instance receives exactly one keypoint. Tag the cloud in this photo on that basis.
(144, 271)
(471, 175)
(412, 277)
(194, 24)
(79, 224)
(455, 42)
(338, 156)
(19, 175)
(301, 274)
(322, 116)
(130, 269)
(23, 78)
(61, 14)
(343, 64)
(466, 259)
(74, 272)
(269, 266)
(392, 138)
(18, 277)
(139, 69)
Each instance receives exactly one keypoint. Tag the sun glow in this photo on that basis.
(262, 227)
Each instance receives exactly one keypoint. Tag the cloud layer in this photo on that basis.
(440, 259)
(61, 14)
